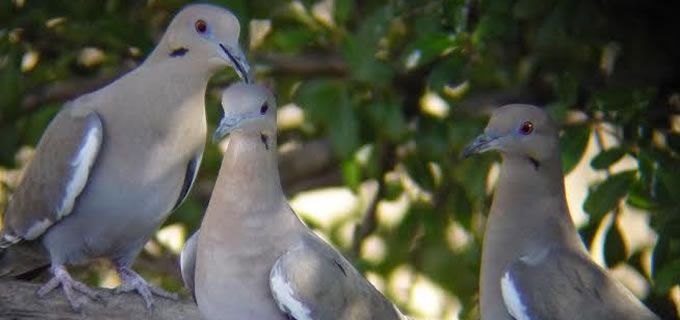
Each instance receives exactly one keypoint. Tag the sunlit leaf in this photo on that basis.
(351, 174)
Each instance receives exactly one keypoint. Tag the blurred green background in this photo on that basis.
(377, 99)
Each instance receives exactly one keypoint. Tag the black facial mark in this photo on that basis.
(265, 140)
(179, 52)
(337, 264)
(264, 108)
(236, 64)
(535, 163)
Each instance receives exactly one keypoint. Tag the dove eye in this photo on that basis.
(201, 26)
(526, 128)
(264, 108)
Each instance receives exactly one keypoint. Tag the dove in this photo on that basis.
(534, 264)
(114, 163)
(254, 258)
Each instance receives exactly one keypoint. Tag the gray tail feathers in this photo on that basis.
(23, 259)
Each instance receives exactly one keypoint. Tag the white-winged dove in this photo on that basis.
(114, 163)
(534, 265)
(255, 259)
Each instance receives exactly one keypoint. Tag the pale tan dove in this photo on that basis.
(534, 265)
(114, 163)
(255, 259)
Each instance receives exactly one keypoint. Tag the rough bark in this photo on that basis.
(19, 301)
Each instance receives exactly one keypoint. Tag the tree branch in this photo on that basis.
(18, 301)
(302, 65)
(305, 161)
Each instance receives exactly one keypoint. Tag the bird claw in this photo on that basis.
(132, 281)
(62, 278)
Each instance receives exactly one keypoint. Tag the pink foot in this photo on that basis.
(132, 281)
(62, 278)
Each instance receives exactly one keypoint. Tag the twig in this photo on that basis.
(370, 222)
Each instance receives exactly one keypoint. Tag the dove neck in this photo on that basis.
(523, 181)
(184, 68)
(250, 167)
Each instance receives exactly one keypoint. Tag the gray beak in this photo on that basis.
(227, 124)
(238, 60)
(482, 143)
(230, 122)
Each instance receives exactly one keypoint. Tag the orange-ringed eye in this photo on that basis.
(201, 26)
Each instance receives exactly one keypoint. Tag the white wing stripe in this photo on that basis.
(81, 164)
(283, 295)
(512, 299)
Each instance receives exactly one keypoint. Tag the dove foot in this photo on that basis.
(61, 277)
(132, 281)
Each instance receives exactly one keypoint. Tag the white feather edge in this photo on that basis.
(82, 163)
(512, 299)
(187, 261)
(284, 297)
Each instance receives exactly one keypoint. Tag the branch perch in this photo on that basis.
(19, 301)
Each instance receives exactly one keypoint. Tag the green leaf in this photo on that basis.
(472, 173)
(387, 119)
(614, 246)
(640, 197)
(528, 9)
(662, 251)
(326, 102)
(351, 174)
(607, 195)
(360, 49)
(573, 142)
(673, 140)
(418, 170)
(670, 177)
(393, 189)
(607, 157)
(427, 48)
(343, 10)
(344, 130)
(364, 66)
(292, 39)
(667, 277)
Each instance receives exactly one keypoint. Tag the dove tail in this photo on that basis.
(23, 261)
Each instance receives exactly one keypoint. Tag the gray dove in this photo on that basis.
(534, 265)
(254, 258)
(114, 163)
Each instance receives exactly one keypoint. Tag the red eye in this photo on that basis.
(526, 128)
(201, 26)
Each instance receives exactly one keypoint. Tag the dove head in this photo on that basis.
(518, 130)
(206, 35)
(248, 108)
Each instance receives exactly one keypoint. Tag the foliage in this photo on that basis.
(410, 82)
